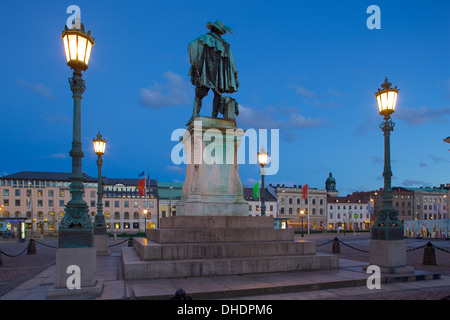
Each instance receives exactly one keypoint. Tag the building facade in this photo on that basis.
(302, 210)
(169, 194)
(254, 204)
(40, 197)
(347, 213)
(430, 203)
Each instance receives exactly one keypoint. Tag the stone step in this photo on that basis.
(134, 268)
(149, 250)
(219, 235)
(209, 222)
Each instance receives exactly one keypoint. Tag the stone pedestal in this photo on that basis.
(212, 185)
(389, 255)
(198, 246)
(86, 260)
(101, 244)
(388, 250)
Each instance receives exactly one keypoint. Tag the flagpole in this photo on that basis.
(309, 201)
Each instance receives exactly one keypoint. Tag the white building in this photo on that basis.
(345, 213)
(254, 204)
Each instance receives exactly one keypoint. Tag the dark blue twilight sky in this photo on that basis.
(307, 68)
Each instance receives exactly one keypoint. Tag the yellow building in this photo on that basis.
(40, 198)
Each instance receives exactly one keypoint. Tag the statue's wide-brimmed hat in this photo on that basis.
(219, 26)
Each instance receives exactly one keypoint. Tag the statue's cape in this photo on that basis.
(212, 64)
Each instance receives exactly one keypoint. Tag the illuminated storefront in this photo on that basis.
(12, 229)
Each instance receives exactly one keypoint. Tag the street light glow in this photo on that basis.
(263, 156)
(386, 98)
(78, 47)
(99, 145)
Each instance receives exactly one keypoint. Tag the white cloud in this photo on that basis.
(422, 115)
(270, 119)
(58, 119)
(177, 169)
(303, 91)
(174, 92)
(37, 87)
(411, 182)
(56, 156)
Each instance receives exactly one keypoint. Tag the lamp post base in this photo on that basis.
(389, 255)
(387, 233)
(101, 244)
(75, 238)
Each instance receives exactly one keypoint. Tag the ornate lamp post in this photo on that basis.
(76, 238)
(302, 214)
(387, 246)
(99, 221)
(387, 225)
(145, 212)
(263, 156)
(76, 226)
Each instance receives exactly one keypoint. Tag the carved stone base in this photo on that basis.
(75, 237)
(212, 185)
(389, 255)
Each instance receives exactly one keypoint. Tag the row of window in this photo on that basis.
(114, 225)
(431, 200)
(257, 207)
(345, 207)
(313, 211)
(356, 216)
(51, 203)
(42, 184)
(313, 201)
(51, 215)
(40, 193)
(62, 192)
(431, 207)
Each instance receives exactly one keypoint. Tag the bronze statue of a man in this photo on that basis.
(212, 67)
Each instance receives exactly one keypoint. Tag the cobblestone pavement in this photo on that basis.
(414, 257)
(18, 267)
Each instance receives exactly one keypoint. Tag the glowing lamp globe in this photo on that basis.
(263, 156)
(386, 98)
(99, 145)
(78, 47)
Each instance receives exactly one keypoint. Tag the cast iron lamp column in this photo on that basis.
(76, 226)
(302, 214)
(145, 212)
(387, 225)
(99, 221)
(262, 159)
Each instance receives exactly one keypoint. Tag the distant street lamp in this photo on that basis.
(76, 226)
(387, 224)
(145, 212)
(263, 156)
(99, 221)
(302, 214)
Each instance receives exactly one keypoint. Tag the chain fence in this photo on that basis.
(30, 244)
(336, 240)
(30, 249)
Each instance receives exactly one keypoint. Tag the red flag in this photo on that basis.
(141, 187)
(305, 191)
